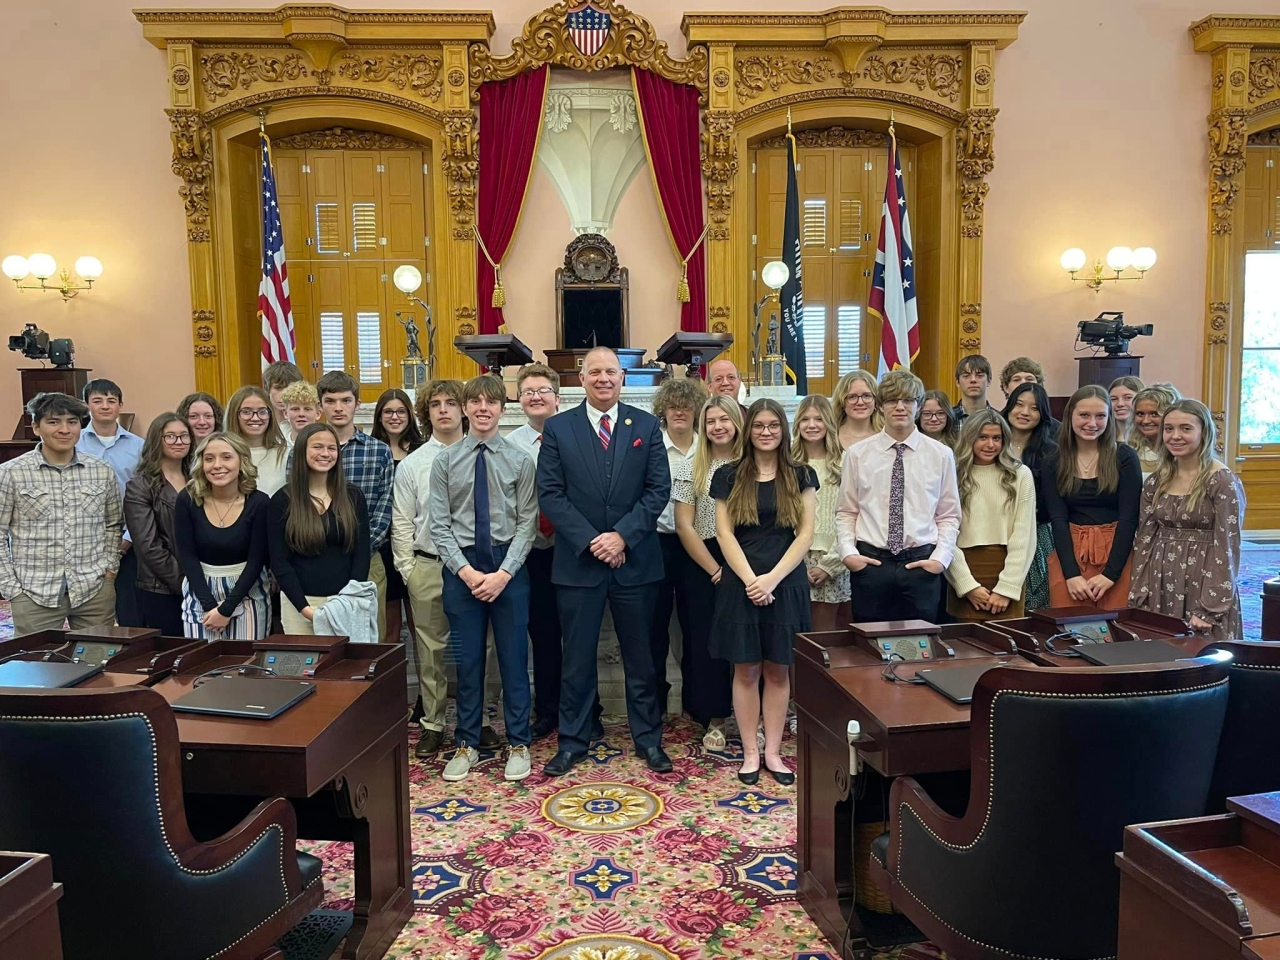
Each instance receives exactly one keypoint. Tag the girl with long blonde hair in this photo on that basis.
(997, 541)
(251, 416)
(1187, 553)
(815, 442)
(764, 524)
(856, 405)
(1092, 488)
(706, 697)
(1121, 394)
(1149, 405)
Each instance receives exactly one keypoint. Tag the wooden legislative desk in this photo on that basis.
(1203, 889)
(902, 729)
(341, 755)
(29, 907)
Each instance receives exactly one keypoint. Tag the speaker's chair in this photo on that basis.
(93, 777)
(1248, 754)
(1062, 760)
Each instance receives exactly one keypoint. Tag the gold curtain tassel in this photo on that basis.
(682, 288)
(499, 291)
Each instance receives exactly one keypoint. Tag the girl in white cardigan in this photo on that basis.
(997, 538)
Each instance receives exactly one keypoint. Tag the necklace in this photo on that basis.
(223, 514)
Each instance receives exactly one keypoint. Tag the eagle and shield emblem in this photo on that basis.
(588, 27)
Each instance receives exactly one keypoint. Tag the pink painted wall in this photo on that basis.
(1100, 141)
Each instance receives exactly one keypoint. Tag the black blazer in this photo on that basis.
(572, 494)
(148, 512)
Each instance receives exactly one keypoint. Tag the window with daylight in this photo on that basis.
(1260, 350)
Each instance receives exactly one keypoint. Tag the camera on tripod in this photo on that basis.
(1109, 331)
(34, 344)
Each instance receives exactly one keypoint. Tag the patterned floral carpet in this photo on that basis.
(610, 862)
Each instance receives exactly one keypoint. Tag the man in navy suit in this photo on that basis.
(603, 480)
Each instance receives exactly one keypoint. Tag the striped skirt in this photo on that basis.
(251, 619)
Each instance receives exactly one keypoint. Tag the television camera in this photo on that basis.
(1109, 331)
(34, 344)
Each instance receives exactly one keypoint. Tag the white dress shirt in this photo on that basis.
(530, 440)
(931, 501)
(410, 527)
(594, 416)
(667, 519)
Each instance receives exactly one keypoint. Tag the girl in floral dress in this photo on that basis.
(1187, 553)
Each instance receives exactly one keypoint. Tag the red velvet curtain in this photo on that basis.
(669, 116)
(510, 118)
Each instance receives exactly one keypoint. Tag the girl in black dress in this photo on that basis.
(764, 524)
(396, 426)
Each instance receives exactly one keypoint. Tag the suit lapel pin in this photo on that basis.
(627, 421)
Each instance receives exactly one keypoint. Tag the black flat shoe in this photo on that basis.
(750, 779)
(562, 763)
(542, 728)
(597, 731)
(784, 777)
(656, 758)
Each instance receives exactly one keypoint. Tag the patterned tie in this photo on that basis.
(484, 538)
(897, 493)
(545, 526)
(605, 433)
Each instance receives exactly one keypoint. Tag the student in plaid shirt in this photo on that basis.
(60, 525)
(368, 464)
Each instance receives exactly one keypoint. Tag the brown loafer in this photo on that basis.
(428, 744)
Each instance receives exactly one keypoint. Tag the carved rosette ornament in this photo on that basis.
(1227, 137)
(719, 167)
(772, 71)
(465, 318)
(204, 332)
(460, 165)
(631, 41)
(193, 164)
(719, 319)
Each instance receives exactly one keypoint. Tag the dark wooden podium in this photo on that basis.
(1107, 367)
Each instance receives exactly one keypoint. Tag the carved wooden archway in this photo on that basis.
(852, 67)
(1245, 80)
(403, 74)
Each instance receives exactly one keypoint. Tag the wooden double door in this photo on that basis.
(841, 200)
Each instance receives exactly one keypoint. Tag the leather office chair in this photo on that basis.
(1248, 757)
(94, 778)
(1062, 760)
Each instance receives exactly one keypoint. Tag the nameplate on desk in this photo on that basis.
(262, 698)
(47, 674)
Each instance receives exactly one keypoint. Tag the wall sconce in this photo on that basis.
(1119, 259)
(43, 267)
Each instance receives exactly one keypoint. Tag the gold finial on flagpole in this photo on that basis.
(262, 119)
(891, 123)
(788, 121)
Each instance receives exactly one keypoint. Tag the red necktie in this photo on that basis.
(605, 433)
(545, 527)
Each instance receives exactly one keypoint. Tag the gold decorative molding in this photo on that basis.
(971, 344)
(291, 93)
(1264, 78)
(772, 71)
(720, 319)
(944, 112)
(222, 72)
(460, 164)
(1227, 133)
(206, 351)
(1215, 30)
(941, 73)
(465, 318)
(417, 71)
(975, 159)
(1265, 138)
(632, 42)
(719, 167)
(343, 138)
(844, 21)
(193, 164)
(836, 136)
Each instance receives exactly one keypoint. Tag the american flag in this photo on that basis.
(274, 309)
(893, 284)
(589, 27)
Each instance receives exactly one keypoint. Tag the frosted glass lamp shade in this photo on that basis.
(15, 267)
(775, 274)
(1144, 258)
(407, 278)
(1073, 259)
(42, 265)
(1118, 258)
(88, 268)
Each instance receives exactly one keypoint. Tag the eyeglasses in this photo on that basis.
(900, 402)
(726, 378)
(248, 414)
(766, 428)
(176, 439)
(398, 414)
(859, 398)
(537, 392)
(933, 416)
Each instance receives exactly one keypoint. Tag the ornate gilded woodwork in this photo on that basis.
(1244, 56)
(391, 80)
(719, 167)
(836, 136)
(632, 42)
(770, 72)
(940, 73)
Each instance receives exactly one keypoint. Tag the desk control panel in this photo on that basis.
(910, 647)
(1089, 631)
(892, 641)
(89, 651)
(290, 663)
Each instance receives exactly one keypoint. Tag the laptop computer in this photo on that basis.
(956, 683)
(49, 674)
(1128, 652)
(262, 698)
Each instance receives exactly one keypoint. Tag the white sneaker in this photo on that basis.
(460, 765)
(518, 765)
